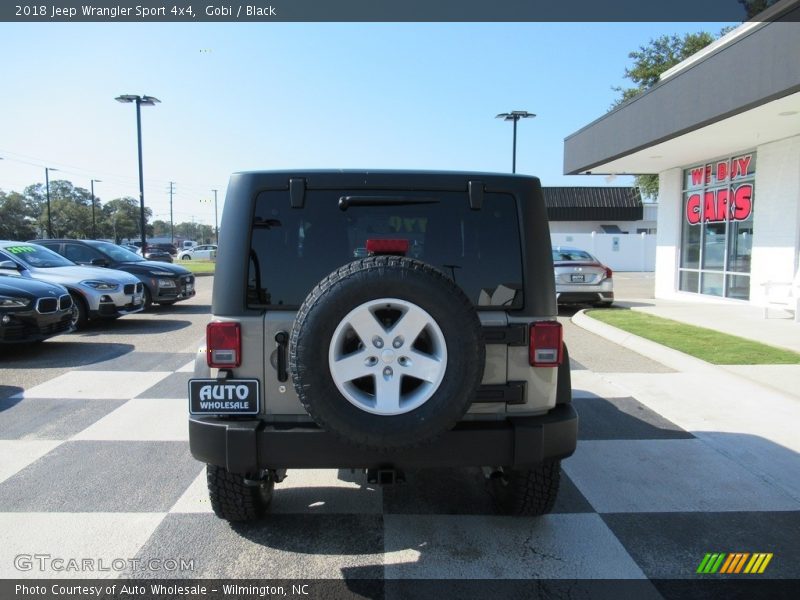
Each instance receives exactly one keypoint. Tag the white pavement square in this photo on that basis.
(96, 385)
(187, 368)
(15, 455)
(574, 546)
(94, 536)
(142, 420)
(668, 476)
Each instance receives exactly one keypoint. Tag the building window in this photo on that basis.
(717, 227)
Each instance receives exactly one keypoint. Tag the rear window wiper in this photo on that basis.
(346, 202)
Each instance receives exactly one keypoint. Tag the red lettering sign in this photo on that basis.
(740, 166)
(722, 171)
(742, 202)
(697, 176)
(710, 209)
(693, 209)
(718, 205)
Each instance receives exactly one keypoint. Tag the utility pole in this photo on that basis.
(47, 185)
(94, 228)
(216, 220)
(171, 222)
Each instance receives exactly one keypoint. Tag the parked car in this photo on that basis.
(96, 292)
(156, 254)
(173, 251)
(163, 283)
(204, 252)
(581, 278)
(32, 311)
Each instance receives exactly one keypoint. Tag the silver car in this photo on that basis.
(204, 252)
(96, 292)
(581, 278)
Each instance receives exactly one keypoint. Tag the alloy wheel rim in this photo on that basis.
(387, 356)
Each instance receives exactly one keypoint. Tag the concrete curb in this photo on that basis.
(666, 356)
(669, 357)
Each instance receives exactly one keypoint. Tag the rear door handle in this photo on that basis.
(282, 339)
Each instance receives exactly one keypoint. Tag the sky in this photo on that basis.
(243, 96)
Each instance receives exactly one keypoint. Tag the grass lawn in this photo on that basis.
(710, 346)
(198, 266)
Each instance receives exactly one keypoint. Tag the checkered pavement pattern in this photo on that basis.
(95, 463)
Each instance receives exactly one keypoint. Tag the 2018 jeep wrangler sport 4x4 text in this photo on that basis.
(382, 321)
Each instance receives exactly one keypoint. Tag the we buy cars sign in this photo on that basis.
(731, 200)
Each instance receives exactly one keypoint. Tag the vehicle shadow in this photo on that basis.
(181, 309)
(132, 325)
(61, 353)
(6, 391)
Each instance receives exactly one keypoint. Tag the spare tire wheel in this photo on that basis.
(386, 352)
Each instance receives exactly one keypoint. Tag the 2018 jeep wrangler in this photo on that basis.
(382, 321)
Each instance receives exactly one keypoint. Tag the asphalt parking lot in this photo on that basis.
(94, 462)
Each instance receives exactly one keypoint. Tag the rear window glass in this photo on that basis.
(293, 249)
(565, 254)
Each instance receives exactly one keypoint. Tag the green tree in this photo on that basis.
(121, 219)
(161, 228)
(202, 234)
(70, 208)
(753, 7)
(17, 217)
(649, 62)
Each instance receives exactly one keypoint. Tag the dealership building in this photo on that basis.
(722, 130)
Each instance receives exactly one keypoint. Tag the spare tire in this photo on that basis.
(387, 353)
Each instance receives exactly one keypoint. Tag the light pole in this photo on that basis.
(515, 115)
(94, 229)
(140, 101)
(216, 220)
(47, 186)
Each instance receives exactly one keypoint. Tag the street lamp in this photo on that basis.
(94, 230)
(140, 101)
(515, 115)
(47, 186)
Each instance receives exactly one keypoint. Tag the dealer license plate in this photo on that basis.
(223, 396)
(577, 278)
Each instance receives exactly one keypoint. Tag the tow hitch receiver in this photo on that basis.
(385, 476)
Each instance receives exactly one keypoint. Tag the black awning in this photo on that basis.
(593, 203)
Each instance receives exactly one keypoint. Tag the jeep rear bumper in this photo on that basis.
(249, 446)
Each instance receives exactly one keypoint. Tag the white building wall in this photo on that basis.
(776, 215)
(621, 252)
(668, 236)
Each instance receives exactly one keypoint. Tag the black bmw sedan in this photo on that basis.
(32, 311)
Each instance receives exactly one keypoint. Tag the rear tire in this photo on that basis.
(526, 492)
(232, 499)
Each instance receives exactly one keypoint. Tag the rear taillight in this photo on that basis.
(545, 344)
(392, 247)
(609, 273)
(223, 345)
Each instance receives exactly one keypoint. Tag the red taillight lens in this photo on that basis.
(387, 247)
(545, 344)
(609, 272)
(223, 345)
